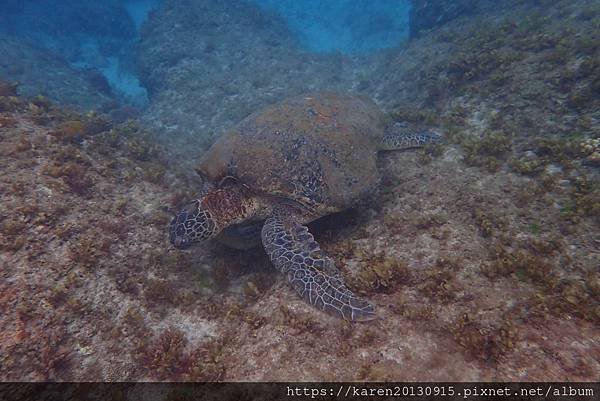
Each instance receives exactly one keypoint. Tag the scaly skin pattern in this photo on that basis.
(402, 136)
(295, 253)
(228, 206)
(191, 224)
(206, 217)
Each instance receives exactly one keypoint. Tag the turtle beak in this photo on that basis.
(179, 229)
(177, 232)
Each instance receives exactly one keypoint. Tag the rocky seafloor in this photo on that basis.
(482, 254)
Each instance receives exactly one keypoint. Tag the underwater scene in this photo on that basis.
(280, 190)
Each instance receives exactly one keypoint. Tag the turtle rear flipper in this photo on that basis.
(403, 136)
(295, 253)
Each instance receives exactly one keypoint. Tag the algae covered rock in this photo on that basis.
(209, 64)
(429, 14)
(42, 72)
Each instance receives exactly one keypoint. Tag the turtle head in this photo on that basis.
(192, 223)
(206, 217)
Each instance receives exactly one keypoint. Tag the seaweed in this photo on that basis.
(431, 152)
(377, 372)
(439, 282)
(159, 292)
(414, 115)
(527, 165)
(527, 265)
(42, 102)
(257, 285)
(12, 227)
(163, 357)
(300, 323)
(584, 200)
(239, 313)
(154, 173)
(489, 151)
(590, 150)
(75, 130)
(8, 104)
(72, 174)
(13, 237)
(8, 89)
(13, 244)
(23, 145)
(70, 130)
(378, 273)
(489, 224)
(487, 344)
(86, 251)
(7, 122)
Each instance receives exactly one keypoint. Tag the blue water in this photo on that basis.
(347, 26)
(88, 34)
(101, 36)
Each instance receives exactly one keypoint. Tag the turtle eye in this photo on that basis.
(180, 218)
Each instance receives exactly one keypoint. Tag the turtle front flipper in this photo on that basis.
(403, 136)
(295, 253)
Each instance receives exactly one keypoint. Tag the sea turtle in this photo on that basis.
(285, 166)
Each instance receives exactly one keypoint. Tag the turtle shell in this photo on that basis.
(317, 149)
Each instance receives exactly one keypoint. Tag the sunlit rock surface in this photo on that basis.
(204, 72)
(43, 72)
(93, 37)
(425, 15)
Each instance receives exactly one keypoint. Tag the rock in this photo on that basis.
(42, 72)
(208, 64)
(553, 169)
(425, 15)
(91, 36)
(69, 27)
(349, 26)
(591, 147)
(8, 88)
